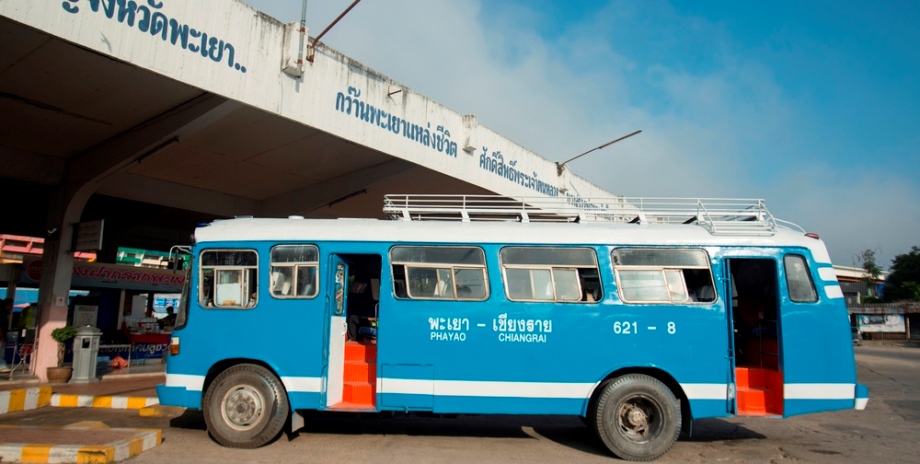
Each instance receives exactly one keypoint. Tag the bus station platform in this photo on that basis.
(86, 441)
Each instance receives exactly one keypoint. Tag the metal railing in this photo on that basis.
(720, 216)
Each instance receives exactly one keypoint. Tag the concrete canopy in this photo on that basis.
(63, 106)
(158, 115)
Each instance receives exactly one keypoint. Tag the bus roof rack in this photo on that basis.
(720, 216)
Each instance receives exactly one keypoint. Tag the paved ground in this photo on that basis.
(104, 434)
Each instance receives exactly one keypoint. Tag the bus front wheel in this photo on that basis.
(246, 406)
(637, 417)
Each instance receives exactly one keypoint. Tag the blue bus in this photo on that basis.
(638, 315)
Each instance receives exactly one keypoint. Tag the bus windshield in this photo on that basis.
(182, 310)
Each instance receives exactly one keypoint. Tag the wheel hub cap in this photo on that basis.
(242, 407)
(635, 418)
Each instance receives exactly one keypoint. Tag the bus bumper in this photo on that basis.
(178, 396)
(862, 396)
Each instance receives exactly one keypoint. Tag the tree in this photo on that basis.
(903, 283)
(873, 273)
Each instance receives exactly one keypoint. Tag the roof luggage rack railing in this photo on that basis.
(720, 216)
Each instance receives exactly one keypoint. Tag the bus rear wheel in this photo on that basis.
(245, 407)
(637, 417)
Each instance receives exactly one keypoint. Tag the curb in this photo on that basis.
(112, 402)
(23, 399)
(132, 443)
(161, 411)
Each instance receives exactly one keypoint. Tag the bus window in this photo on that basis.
(550, 274)
(294, 271)
(663, 275)
(423, 282)
(529, 284)
(798, 280)
(228, 278)
(184, 300)
(439, 272)
(206, 289)
(471, 283)
(568, 287)
(445, 287)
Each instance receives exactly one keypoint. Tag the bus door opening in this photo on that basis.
(351, 378)
(756, 331)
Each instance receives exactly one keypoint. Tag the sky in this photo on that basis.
(813, 106)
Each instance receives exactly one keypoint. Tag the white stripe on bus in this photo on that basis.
(189, 382)
(303, 384)
(485, 389)
(833, 291)
(828, 274)
(820, 391)
(861, 403)
(694, 391)
(705, 391)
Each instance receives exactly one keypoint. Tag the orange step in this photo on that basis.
(774, 384)
(359, 393)
(358, 371)
(360, 376)
(752, 401)
(759, 391)
(360, 351)
(749, 377)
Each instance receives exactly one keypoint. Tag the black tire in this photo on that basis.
(590, 418)
(637, 417)
(246, 406)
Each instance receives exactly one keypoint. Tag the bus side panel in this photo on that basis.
(292, 350)
(488, 370)
(488, 356)
(228, 338)
(818, 361)
(183, 394)
(416, 382)
(303, 396)
(688, 343)
(708, 408)
(508, 405)
(498, 356)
